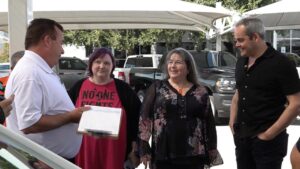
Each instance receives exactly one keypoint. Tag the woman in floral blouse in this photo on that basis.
(176, 112)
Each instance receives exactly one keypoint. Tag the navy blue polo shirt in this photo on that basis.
(262, 91)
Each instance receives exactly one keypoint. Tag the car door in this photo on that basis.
(18, 152)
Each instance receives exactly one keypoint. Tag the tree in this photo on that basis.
(4, 57)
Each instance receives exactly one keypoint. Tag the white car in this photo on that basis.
(18, 152)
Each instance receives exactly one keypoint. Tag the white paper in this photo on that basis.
(101, 120)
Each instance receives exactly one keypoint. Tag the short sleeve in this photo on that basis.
(288, 77)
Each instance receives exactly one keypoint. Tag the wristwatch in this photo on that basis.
(2, 116)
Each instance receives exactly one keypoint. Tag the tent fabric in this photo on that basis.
(283, 14)
(123, 14)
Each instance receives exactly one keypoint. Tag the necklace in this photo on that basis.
(180, 90)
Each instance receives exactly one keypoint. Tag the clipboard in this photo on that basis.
(101, 121)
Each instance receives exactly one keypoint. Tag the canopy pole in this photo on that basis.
(19, 15)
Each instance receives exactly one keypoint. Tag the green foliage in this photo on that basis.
(238, 5)
(4, 54)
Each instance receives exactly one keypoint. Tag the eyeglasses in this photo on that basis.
(176, 62)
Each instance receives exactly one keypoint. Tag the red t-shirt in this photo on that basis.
(102, 153)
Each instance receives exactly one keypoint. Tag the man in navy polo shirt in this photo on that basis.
(266, 101)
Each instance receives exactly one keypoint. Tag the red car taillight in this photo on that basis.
(121, 76)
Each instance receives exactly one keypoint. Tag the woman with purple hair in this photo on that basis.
(102, 89)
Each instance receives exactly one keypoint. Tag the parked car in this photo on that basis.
(70, 70)
(132, 62)
(18, 152)
(216, 73)
(295, 58)
(4, 69)
(120, 63)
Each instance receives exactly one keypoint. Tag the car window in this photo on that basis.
(18, 152)
(120, 62)
(4, 67)
(72, 64)
(13, 158)
(227, 59)
(77, 64)
(203, 59)
(139, 62)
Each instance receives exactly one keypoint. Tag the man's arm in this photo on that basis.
(233, 110)
(286, 118)
(6, 105)
(49, 122)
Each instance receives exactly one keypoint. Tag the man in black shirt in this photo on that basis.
(266, 101)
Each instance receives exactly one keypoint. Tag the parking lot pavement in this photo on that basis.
(226, 146)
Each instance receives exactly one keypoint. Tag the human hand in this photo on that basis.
(76, 114)
(264, 136)
(146, 160)
(133, 156)
(6, 105)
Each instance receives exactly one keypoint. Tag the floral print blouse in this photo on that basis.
(180, 126)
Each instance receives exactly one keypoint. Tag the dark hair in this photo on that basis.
(15, 58)
(38, 29)
(100, 52)
(189, 61)
(252, 25)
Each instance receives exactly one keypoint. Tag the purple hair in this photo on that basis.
(99, 53)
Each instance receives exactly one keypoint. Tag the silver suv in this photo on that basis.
(70, 70)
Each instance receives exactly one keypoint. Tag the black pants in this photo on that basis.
(253, 153)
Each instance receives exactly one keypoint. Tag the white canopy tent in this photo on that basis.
(123, 14)
(281, 15)
(284, 14)
(109, 14)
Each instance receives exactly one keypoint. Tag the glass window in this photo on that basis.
(64, 64)
(77, 64)
(200, 59)
(72, 64)
(226, 59)
(139, 62)
(14, 158)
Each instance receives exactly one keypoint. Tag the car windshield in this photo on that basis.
(226, 59)
(139, 62)
(211, 59)
(205, 59)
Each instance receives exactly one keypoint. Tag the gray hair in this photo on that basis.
(189, 61)
(15, 58)
(252, 25)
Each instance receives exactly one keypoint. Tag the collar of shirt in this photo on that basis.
(38, 60)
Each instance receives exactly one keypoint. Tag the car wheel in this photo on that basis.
(141, 95)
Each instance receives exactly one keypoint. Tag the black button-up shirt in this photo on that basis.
(262, 91)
